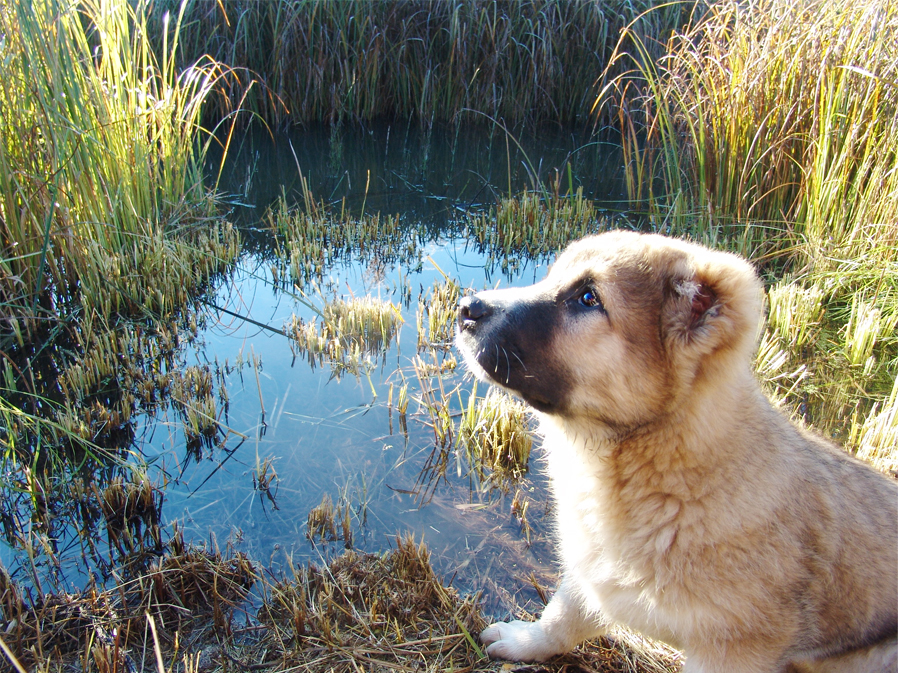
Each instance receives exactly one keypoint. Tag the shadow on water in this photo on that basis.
(296, 439)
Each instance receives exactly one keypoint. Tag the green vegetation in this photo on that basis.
(769, 128)
(351, 335)
(437, 314)
(108, 238)
(100, 170)
(772, 128)
(534, 226)
(314, 237)
(333, 61)
(495, 435)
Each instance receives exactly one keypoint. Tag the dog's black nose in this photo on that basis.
(470, 310)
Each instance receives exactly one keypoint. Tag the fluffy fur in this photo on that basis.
(687, 507)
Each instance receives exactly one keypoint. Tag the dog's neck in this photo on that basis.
(684, 448)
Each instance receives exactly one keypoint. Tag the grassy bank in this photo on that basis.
(315, 60)
(189, 613)
(108, 236)
(772, 129)
(100, 166)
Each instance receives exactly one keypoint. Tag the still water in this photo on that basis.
(293, 434)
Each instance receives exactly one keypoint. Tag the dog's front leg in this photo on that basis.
(563, 625)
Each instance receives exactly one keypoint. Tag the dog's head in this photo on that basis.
(623, 328)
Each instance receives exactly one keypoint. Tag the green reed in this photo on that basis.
(334, 61)
(313, 237)
(770, 128)
(100, 166)
(533, 225)
(349, 334)
(493, 432)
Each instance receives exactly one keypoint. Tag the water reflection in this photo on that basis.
(290, 436)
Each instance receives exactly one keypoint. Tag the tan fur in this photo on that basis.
(688, 508)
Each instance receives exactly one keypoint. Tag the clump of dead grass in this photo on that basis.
(189, 590)
(365, 610)
(387, 611)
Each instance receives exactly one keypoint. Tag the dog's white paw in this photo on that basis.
(519, 641)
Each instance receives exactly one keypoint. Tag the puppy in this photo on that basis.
(688, 508)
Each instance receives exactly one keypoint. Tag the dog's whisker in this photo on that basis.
(507, 367)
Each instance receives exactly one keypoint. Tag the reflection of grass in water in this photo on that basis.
(347, 333)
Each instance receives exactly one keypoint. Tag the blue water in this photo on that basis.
(337, 436)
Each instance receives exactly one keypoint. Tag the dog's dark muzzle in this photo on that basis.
(509, 337)
(470, 310)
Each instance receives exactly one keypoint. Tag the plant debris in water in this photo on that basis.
(350, 333)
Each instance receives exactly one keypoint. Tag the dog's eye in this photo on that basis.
(590, 299)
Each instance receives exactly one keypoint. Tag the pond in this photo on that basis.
(295, 432)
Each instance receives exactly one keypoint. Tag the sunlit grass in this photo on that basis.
(100, 164)
(494, 434)
(772, 129)
(533, 225)
(437, 314)
(314, 236)
(350, 334)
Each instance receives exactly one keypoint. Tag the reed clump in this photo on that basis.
(437, 314)
(533, 225)
(101, 181)
(132, 510)
(336, 61)
(348, 334)
(316, 236)
(493, 432)
(370, 610)
(189, 591)
(330, 523)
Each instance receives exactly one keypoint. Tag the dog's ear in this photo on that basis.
(692, 305)
(712, 303)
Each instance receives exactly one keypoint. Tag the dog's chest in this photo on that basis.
(614, 558)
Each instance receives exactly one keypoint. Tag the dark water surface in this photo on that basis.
(333, 436)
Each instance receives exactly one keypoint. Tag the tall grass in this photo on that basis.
(100, 170)
(332, 61)
(772, 127)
